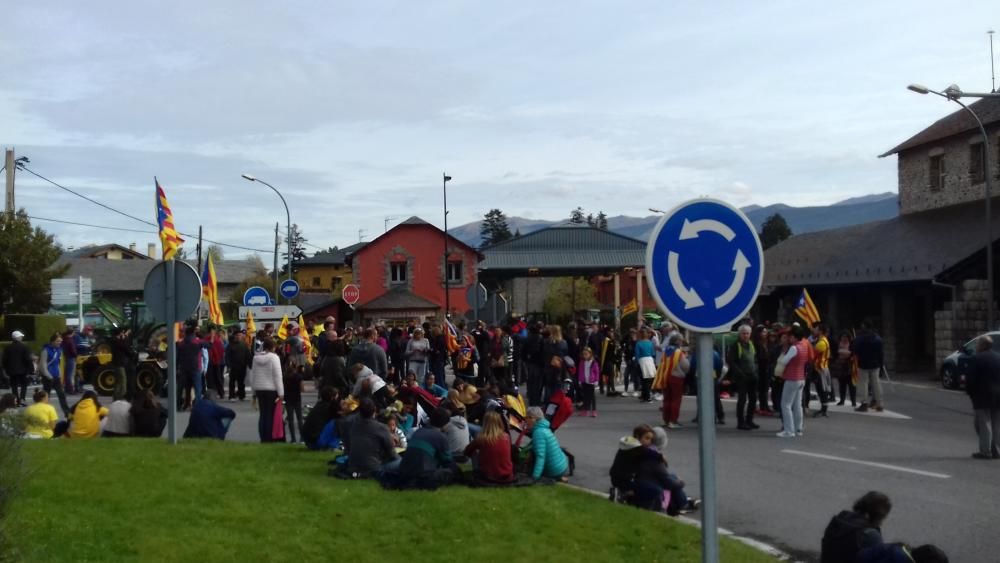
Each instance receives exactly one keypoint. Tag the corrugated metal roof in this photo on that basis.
(914, 247)
(988, 110)
(565, 248)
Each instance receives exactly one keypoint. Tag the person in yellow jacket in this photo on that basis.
(85, 420)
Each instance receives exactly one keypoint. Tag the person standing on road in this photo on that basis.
(267, 383)
(216, 362)
(189, 372)
(843, 369)
(720, 415)
(17, 364)
(645, 357)
(821, 363)
(51, 356)
(69, 353)
(761, 343)
(983, 386)
(676, 368)
(742, 358)
(794, 375)
(867, 347)
(370, 354)
(417, 354)
(238, 359)
(611, 359)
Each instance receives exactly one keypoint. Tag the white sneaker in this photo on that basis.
(798, 433)
(784, 434)
(658, 397)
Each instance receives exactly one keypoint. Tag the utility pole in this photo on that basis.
(198, 312)
(447, 287)
(277, 243)
(9, 166)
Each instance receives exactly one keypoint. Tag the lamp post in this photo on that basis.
(288, 217)
(447, 286)
(953, 93)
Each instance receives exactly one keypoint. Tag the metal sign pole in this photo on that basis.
(706, 448)
(171, 318)
(79, 304)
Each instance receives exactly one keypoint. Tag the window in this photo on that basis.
(316, 281)
(335, 282)
(454, 272)
(937, 172)
(977, 163)
(397, 272)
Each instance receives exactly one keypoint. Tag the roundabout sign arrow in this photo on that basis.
(705, 264)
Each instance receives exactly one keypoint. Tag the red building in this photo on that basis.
(403, 273)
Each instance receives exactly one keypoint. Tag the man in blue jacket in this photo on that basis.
(868, 349)
(209, 420)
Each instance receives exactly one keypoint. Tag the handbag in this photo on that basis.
(278, 424)
(647, 365)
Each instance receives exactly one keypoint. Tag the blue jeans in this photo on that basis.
(199, 382)
(474, 430)
(791, 406)
(69, 374)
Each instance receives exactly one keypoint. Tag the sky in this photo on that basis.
(353, 110)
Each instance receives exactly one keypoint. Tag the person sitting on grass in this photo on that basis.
(148, 415)
(427, 462)
(902, 553)
(431, 386)
(391, 421)
(209, 420)
(490, 452)
(119, 421)
(457, 433)
(371, 444)
(10, 423)
(653, 478)
(321, 414)
(40, 418)
(86, 416)
(550, 461)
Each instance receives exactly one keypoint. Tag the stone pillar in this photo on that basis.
(888, 328)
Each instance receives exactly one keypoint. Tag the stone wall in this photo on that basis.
(962, 319)
(913, 167)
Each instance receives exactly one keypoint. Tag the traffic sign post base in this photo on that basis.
(171, 320)
(706, 448)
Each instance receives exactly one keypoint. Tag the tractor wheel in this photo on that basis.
(106, 380)
(148, 378)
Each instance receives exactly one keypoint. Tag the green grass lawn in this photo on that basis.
(130, 500)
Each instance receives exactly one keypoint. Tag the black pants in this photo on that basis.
(845, 386)
(814, 382)
(589, 400)
(237, 384)
(19, 386)
(720, 415)
(54, 383)
(746, 392)
(534, 376)
(646, 384)
(763, 389)
(216, 379)
(293, 413)
(266, 401)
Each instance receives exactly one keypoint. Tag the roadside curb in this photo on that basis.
(756, 544)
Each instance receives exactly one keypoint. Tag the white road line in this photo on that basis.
(870, 464)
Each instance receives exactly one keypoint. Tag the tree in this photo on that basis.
(517, 233)
(298, 247)
(27, 265)
(602, 221)
(774, 230)
(591, 222)
(259, 279)
(216, 253)
(576, 216)
(560, 302)
(494, 228)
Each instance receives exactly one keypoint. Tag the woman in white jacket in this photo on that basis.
(265, 378)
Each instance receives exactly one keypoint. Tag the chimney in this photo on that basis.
(151, 250)
(131, 247)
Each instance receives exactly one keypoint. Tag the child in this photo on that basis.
(293, 398)
(398, 437)
(589, 375)
(653, 478)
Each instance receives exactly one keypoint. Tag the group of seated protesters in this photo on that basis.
(421, 436)
(88, 418)
(639, 474)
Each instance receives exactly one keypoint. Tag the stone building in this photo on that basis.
(920, 276)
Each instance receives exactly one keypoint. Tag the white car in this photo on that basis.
(955, 367)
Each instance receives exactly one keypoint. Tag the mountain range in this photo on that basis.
(853, 211)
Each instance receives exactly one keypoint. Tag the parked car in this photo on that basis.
(956, 366)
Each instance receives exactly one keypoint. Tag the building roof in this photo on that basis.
(411, 222)
(398, 298)
(348, 250)
(913, 247)
(130, 275)
(93, 250)
(337, 258)
(988, 110)
(564, 248)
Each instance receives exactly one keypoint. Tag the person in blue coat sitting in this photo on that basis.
(550, 461)
(208, 420)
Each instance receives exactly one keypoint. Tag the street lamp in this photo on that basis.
(288, 217)
(447, 286)
(953, 93)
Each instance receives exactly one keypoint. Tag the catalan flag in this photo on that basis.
(806, 309)
(251, 326)
(210, 292)
(630, 308)
(306, 342)
(283, 329)
(165, 220)
(451, 337)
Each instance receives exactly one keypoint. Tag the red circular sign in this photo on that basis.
(351, 294)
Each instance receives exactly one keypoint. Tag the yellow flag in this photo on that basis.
(283, 329)
(318, 330)
(630, 307)
(306, 343)
(251, 327)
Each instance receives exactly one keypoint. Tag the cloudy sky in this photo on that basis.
(354, 109)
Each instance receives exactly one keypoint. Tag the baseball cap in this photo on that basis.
(17, 335)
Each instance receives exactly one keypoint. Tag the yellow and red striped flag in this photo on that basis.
(806, 309)
(209, 290)
(306, 342)
(283, 328)
(165, 221)
(251, 326)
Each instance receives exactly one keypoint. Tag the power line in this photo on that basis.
(150, 223)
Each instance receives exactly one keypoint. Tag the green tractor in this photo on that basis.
(150, 366)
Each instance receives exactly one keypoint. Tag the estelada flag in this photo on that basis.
(251, 327)
(630, 308)
(210, 292)
(806, 309)
(169, 238)
(306, 342)
(283, 329)
(451, 337)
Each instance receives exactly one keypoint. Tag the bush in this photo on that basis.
(12, 473)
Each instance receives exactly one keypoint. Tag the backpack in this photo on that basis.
(844, 537)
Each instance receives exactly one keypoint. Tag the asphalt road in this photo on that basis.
(784, 491)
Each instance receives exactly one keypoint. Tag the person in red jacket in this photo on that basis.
(216, 362)
(559, 406)
(493, 463)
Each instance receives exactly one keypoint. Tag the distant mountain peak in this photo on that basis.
(873, 198)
